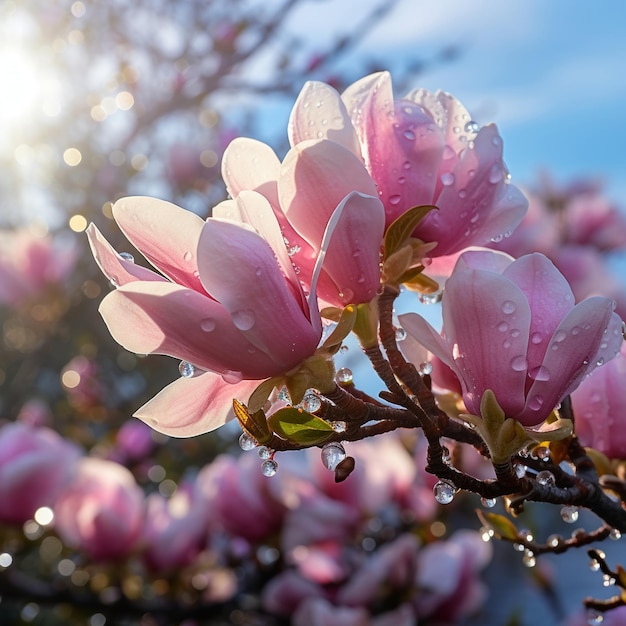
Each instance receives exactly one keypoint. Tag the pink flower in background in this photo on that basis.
(133, 441)
(231, 306)
(80, 378)
(511, 326)
(421, 149)
(174, 528)
(30, 263)
(101, 512)
(35, 465)
(600, 408)
(304, 191)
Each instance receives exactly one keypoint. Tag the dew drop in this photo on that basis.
(402, 180)
(208, 324)
(400, 334)
(520, 470)
(535, 403)
(187, 370)
(246, 442)
(559, 336)
(444, 492)
(258, 271)
(594, 617)
(569, 514)
(600, 362)
(293, 250)
(488, 503)
(114, 281)
(519, 363)
(127, 256)
(232, 377)
(187, 256)
(339, 426)
(311, 402)
(502, 327)
(406, 165)
(545, 478)
(395, 199)
(447, 179)
(244, 319)
(529, 559)
(409, 134)
(344, 376)
(265, 453)
(425, 369)
(536, 338)
(508, 307)
(269, 468)
(472, 127)
(332, 454)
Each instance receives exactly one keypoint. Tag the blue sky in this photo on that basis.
(550, 73)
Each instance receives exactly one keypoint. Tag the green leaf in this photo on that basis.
(416, 281)
(502, 526)
(343, 328)
(298, 426)
(401, 229)
(255, 424)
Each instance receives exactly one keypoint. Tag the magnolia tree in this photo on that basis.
(353, 501)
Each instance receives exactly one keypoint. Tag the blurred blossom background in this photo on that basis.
(104, 521)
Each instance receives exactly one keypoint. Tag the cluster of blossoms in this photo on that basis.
(375, 195)
(329, 549)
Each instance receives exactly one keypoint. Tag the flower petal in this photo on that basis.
(487, 321)
(193, 406)
(483, 259)
(163, 318)
(319, 113)
(165, 234)
(574, 351)
(549, 296)
(248, 164)
(352, 259)
(316, 176)
(118, 270)
(402, 144)
(240, 268)
(420, 330)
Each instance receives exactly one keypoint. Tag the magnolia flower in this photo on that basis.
(102, 511)
(29, 263)
(304, 191)
(511, 326)
(599, 407)
(35, 465)
(231, 307)
(420, 150)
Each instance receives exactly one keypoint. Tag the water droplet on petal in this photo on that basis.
(519, 363)
(208, 324)
(503, 327)
(127, 256)
(536, 338)
(535, 403)
(244, 319)
(444, 492)
(395, 199)
(495, 174)
(409, 134)
(559, 336)
(258, 271)
(430, 298)
(187, 370)
(406, 165)
(269, 468)
(246, 442)
(425, 369)
(508, 307)
(187, 256)
(447, 179)
(232, 377)
(472, 127)
(332, 454)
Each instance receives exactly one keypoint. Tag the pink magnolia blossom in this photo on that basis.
(30, 263)
(102, 511)
(231, 306)
(304, 191)
(35, 465)
(134, 441)
(174, 528)
(421, 149)
(511, 326)
(600, 406)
